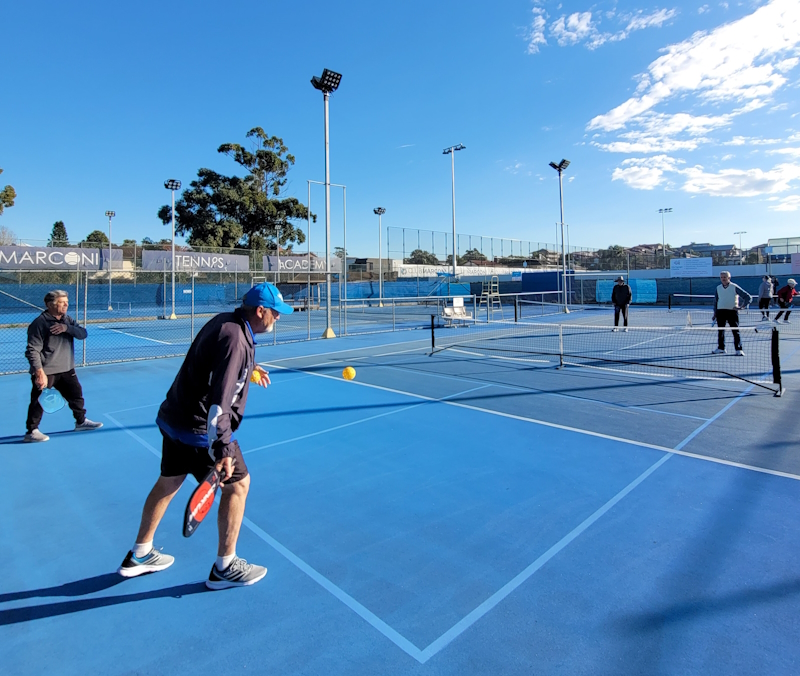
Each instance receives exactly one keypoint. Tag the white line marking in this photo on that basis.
(361, 420)
(470, 619)
(134, 408)
(133, 335)
(631, 442)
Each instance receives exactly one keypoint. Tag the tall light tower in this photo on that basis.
(560, 168)
(110, 215)
(327, 83)
(663, 238)
(172, 185)
(380, 211)
(741, 251)
(452, 152)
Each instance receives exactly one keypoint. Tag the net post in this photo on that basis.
(433, 335)
(669, 303)
(516, 306)
(776, 360)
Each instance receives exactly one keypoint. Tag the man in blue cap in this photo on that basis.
(203, 409)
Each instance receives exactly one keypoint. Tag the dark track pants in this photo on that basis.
(784, 308)
(730, 317)
(68, 386)
(624, 311)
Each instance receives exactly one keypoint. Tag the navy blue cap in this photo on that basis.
(267, 295)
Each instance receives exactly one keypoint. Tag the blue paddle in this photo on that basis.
(51, 400)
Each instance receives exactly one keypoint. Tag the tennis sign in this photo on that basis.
(300, 264)
(194, 261)
(48, 258)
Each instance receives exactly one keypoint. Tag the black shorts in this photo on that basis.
(178, 459)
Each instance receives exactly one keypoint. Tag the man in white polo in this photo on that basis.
(726, 310)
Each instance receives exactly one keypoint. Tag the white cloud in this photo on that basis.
(751, 141)
(645, 173)
(658, 132)
(742, 61)
(792, 152)
(703, 9)
(740, 182)
(583, 27)
(790, 203)
(725, 158)
(568, 30)
(536, 31)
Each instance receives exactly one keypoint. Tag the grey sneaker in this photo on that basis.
(740, 352)
(35, 435)
(238, 574)
(87, 425)
(719, 350)
(151, 562)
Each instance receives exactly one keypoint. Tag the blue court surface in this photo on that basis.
(443, 513)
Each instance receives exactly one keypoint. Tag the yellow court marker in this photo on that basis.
(349, 373)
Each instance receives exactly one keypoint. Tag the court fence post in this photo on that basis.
(85, 303)
(191, 328)
(433, 334)
(393, 319)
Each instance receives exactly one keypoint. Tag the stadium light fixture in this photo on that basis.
(663, 238)
(452, 152)
(172, 185)
(380, 211)
(327, 83)
(560, 167)
(110, 215)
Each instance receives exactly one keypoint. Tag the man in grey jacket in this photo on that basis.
(726, 310)
(765, 297)
(51, 355)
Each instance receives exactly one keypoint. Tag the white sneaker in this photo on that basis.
(35, 435)
(625, 330)
(87, 425)
(765, 319)
(719, 350)
(739, 353)
(785, 321)
(614, 330)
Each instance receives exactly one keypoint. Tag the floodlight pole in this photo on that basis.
(663, 238)
(452, 152)
(172, 185)
(560, 167)
(110, 215)
(741, 251)
(380, 211)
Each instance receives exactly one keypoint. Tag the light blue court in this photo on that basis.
(441, 514)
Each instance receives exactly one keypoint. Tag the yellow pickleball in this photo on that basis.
(349, 373)
(255, 377)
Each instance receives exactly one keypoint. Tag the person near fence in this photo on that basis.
(785, 296)
(726, 311)
(621, 297)
(765, 297)
(51, 355)
(202, 410)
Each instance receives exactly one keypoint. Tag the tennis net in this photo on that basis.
(669, 352)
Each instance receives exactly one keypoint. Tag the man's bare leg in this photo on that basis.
(143, 557)
(156, 504)
(231, 513)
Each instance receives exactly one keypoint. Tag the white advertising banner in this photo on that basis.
(691, 267)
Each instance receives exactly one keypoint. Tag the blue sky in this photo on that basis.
(689, 105)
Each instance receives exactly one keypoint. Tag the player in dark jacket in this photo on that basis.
(202, 410)
(621, 298)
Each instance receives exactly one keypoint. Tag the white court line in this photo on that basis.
(133, 335)
(644, 342)
(456, 630)
(352, 349)
(577, 430)
(531, 390)
(133, 408)
(360, 420)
